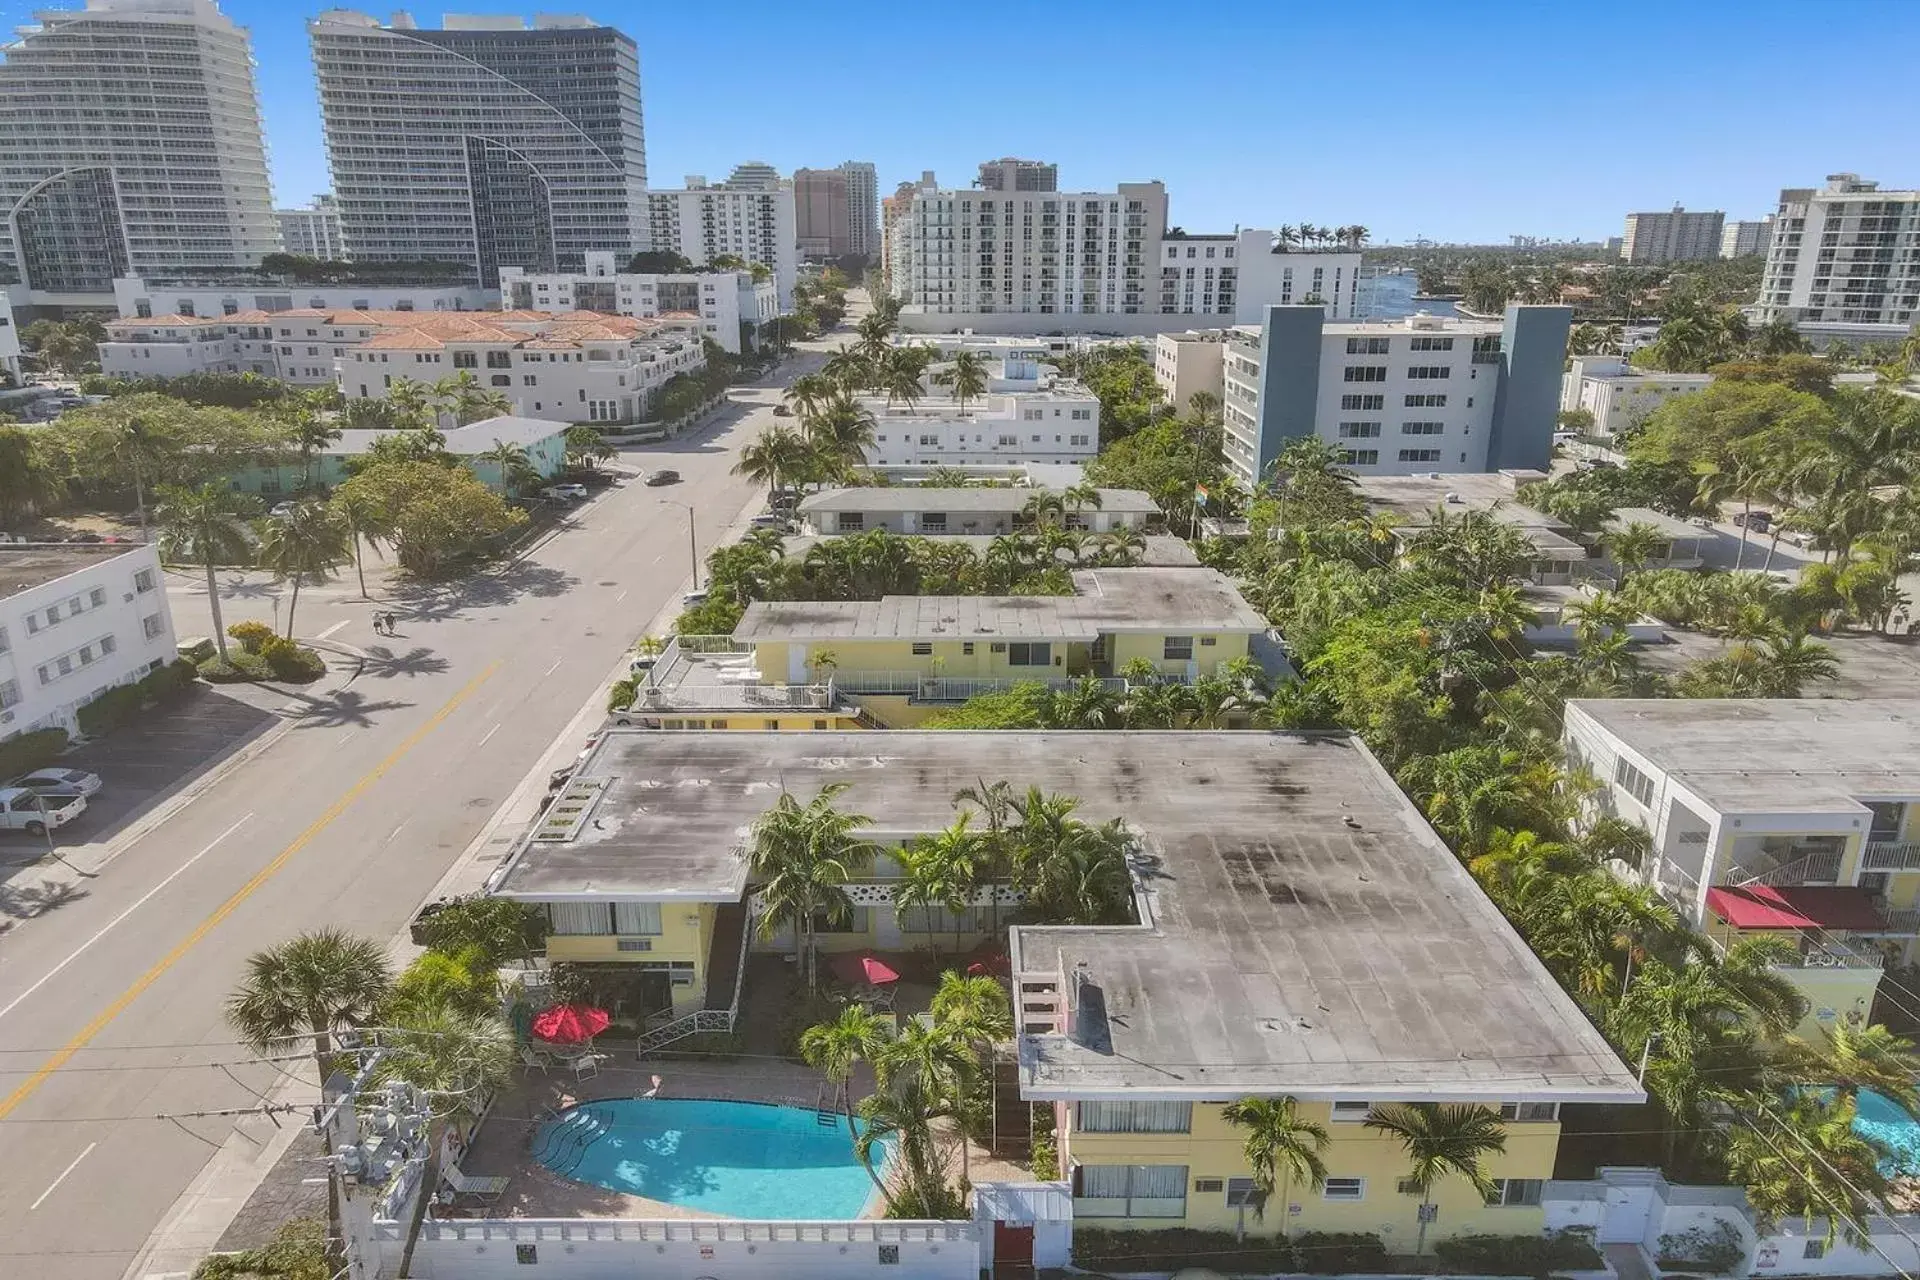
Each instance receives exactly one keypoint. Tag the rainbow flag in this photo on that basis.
(1200, 495)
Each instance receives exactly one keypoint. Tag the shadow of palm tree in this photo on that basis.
(23, 903)
(243, 589)
(384, 663)
(343, 708)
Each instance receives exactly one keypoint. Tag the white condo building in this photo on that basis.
(702, 223)
(9, 341)
(313, 232)
(993, 259)
(1744, 239)
(1844, 261)
(486, 142)
(129, 142)
(1030, 414)
(729, 305)
(74, 622)
(863, 207)
(1620, 394)
(579, 368)
(135, 298)
(1676, 236)
(1403, 397)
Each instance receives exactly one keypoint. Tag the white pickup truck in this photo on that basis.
(35, 812)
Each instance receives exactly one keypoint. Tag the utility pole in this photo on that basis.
(693, 548)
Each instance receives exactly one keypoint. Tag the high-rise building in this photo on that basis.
(1009, 174)
(130, 143)
(1403, 397)
(863, 207)
(1678, 236)
(313, 232)
(822, 216)
(1845, 260)
(753, 175)
(1744, 239)
(703, 223)
(487, 142)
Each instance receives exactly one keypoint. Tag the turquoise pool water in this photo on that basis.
(734, 1159)
(1874, 1117)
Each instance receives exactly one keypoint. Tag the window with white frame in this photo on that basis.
(1130, 1190)
(1133, 1117)
(151, 626)
(640, 919)
(1176, 649)
(9, 693)
(1512, 1192)
(1344, 1189)
(1633, 782)
(1530, 1112)
(580, 919)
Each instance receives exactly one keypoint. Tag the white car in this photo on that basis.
(691, 599)
(36, 812)
(281, 510)
(78, 780)
(566, 492)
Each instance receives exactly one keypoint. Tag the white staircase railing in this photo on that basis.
(700, 1020)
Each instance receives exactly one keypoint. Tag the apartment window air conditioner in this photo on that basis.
(634, 944)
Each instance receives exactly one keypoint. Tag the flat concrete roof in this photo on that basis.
(1669, 526)
(471, 440)
(897, 498)
(26, 566)
(1105, 602)
(1412, 500)
(1773, 755)
(1305, 931)
(1163, 551)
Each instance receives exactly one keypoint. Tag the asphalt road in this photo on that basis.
(110, 1005)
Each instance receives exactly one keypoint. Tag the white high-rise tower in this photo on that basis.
(130, 144)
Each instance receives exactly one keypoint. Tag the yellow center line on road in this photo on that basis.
(233, 903)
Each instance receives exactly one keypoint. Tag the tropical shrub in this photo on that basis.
(25, 752)
(251, 635)
(1334, 1253)
(238, 666)
(1540, 1256)
(291, 662)
(1719, 1251)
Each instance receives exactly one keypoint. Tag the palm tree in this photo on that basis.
(1123, 546)
(941, 872)
(802, 856)
(139, 449)
(307, 989)
(1087, 703)
(365, 520)
(1441, 1142)
(967, 375)
(515, 464)
(303, 546)
(1044, 509)
(849, 370)
(841, 434)
(462, 398)
(1280, 1143)
(1852, 1058)
(411, 402)
(458, 1059)
(900, 377)
(806, 394)
(974, 1012)
(1631, 546)
(207, 524)
(586, 447)
(310, 434)
(902, 1115)
(1802, 1157)
(1072, 873)
(1789, 663)
(932, 1063)
(1080, 497)
(776, 456)
(836, 1048)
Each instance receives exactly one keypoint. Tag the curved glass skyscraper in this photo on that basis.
(487, 143)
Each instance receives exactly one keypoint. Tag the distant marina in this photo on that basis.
(1392, 298)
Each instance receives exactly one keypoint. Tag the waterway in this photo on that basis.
(1393, 298)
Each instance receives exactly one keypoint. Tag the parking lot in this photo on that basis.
(146, 760)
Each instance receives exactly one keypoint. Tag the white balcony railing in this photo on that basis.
(1891, 855)
(1814, 868)
(1677, 885)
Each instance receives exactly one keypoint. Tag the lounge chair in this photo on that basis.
(485, 1190)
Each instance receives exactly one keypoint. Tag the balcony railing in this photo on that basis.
(931, 688)
(1891, 855)
(1677, 885)
(1813, 868)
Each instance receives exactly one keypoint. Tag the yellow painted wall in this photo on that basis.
(899, 712)
(1833, 995)
(686, 932)
(1215, 1150)
(1903, 889)
(950, 658)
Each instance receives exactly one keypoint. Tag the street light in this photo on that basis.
(693, 548)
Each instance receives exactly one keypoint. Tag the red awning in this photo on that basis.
(1761, 906)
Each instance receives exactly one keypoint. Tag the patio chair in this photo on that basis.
(485, 1190)
(879, 998)
(532, 1057)
(587, 1064)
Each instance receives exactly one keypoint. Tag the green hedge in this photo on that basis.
(1519, 1255)
(25, 752)
(114, 707)
(239, 665)
(1172, 1248)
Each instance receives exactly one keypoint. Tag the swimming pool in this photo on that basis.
(733, 1159)
(1875, 1117)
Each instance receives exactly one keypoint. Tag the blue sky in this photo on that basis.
(1458, 120)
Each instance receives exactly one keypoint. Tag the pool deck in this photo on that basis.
(503, 1145)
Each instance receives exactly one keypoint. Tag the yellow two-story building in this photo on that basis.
(1303, 933)
(903, 657)
(1796, 818)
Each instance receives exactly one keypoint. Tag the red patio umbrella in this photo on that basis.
(570, 1023)
(865, 968)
